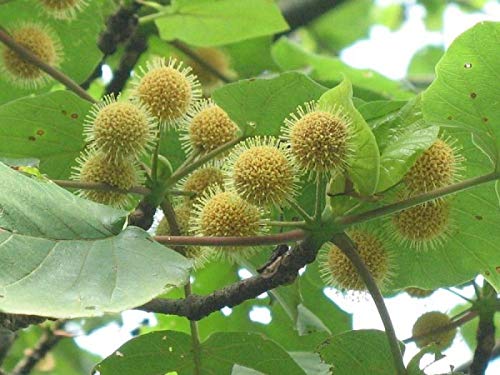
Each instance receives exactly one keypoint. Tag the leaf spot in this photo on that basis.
(497, 268)
(467, 65)
(31, 138)
(119, 354)
(485, 119)
(478, 217)
(90, 307)
(473, 95)
(40, 132)
(487, 273)
(74, 115)
(64, 112)
(450, 117)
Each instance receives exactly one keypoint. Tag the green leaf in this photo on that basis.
(266, 102)
(47, 127)
(163, 351)
(171, 147)
(345, 31)
(423, 63)
(362, 352)
(251, 57)
(331, 70)
(311, 363)
(363, 166)
(61, 257)
(402, 140)
(211, 23)
(464, 93)
(78, 38)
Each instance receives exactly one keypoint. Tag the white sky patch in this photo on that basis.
(260, 315)
(243, 273)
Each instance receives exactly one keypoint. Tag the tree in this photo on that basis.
(262, 151)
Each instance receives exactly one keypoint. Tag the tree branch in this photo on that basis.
(283, 270)
(27, 55)
(345, 244)
(14, 322)
(46, 343)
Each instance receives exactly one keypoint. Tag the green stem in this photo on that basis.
(272, 239)
(140, 190)
(319, 197)
(392, 208)
(28, 56)
(152, 17)
(187, 169)
(349, 249)
(298, 208)
(297, 224)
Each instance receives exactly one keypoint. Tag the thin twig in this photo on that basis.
(272, 239)
(139, 190)
(27, 55)
(392, 208)
(349, 249)
(198, 59)
(46, 343)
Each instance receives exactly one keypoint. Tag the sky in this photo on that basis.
(378, 52)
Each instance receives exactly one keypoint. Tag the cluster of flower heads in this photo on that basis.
(428, 225)
(41, 40)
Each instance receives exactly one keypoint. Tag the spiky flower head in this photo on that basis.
(424, 226)
(95, 166)
(319, 138)
(63, 9)
(338, 271)
(261, 171)
(437, 167)
(167, 89)
(226, 214)
(199, 255)
(40, 40)
(202, 179)
(429, 322)
(121, 129)
(209, 128)
(418, 292)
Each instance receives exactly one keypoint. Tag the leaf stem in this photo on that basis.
(139, 190)
(298, 208)
(27, 55)
(392, 208)
(188, 168)
(319, 199)
(349, 249)
(298, 224)
(272, 239)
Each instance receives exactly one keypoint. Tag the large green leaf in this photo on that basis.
(47, 127)
(402, 139)
(214, 23)
(363, 352)
(163, 351)
(363, 166)
(61, 256)
(471, 245)
(466, 91)
(331, 70)
(266, 102)
(78, 38)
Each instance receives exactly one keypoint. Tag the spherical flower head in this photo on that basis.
(226, 214)
(40, 40)
(418, 292)
(63, 9)
(209, 128)
(319, 138)
(437, 167)
(202, 179)
(94, 166)
(424, 226)
(338, 271)
(199, 255)
(121, 129)
(168, 90)
(262, 172)
(430, 322)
